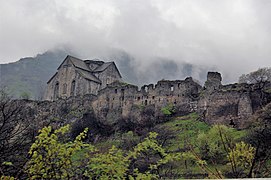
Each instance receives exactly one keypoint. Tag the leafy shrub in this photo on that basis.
(168, 110)
(51, 158)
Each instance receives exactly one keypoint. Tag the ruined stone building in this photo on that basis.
(75, 77)
(112, 99)
(232, 104)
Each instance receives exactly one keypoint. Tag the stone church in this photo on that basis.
(75, 77)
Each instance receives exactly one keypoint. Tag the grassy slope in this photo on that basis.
(185, 130)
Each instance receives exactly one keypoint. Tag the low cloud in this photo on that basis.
(231, 36)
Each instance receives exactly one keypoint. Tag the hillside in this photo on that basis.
(28, 76)
(175, 143)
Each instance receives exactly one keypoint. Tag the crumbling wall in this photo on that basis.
(120, 99)
(232, 104)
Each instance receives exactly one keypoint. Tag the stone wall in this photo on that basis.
(232, 104)
(120, 99)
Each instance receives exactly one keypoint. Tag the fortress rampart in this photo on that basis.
(227, 104)
(119, 102)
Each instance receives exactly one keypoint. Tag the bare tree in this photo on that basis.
(259, 136)
(14, 133)
(261, 80)
(261, 76)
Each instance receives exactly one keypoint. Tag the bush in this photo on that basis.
(53, 158)
(168, 110)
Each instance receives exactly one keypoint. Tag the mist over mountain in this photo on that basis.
(30, 74)
(159, 68)
(233, 36)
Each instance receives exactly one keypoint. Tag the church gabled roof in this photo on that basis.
(105, 66)
(79, 63)
(102, 67)
(88, 75)
(83, 68)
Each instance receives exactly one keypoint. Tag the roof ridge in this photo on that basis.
(75, 57)
(92, 78)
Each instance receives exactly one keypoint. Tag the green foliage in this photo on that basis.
(221, 146)
(168, 110)
(115, 163)
(6, 163)
(186, 130)
(212, 144)
(129, 140)
(268, 90)
(51, 159)
(111, 165)
(242, 155)
(7, 178)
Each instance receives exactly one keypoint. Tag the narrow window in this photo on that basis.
(172, 88)
(122, 94)
(64, 88)
(116, 91)
(56, 91)
(73, 88)
(146, 102)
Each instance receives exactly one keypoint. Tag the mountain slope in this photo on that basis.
(28, 76)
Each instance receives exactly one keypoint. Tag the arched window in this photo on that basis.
(107, 81)
(73, 88)
(64, 88)
(56, 91)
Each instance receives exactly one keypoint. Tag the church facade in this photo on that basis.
(76, 77)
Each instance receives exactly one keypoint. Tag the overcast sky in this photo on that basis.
(232, 35)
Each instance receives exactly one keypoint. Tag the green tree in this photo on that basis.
(220, 145)
(53, 158)
(241, 158)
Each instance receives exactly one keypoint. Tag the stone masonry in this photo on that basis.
(231, 104)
